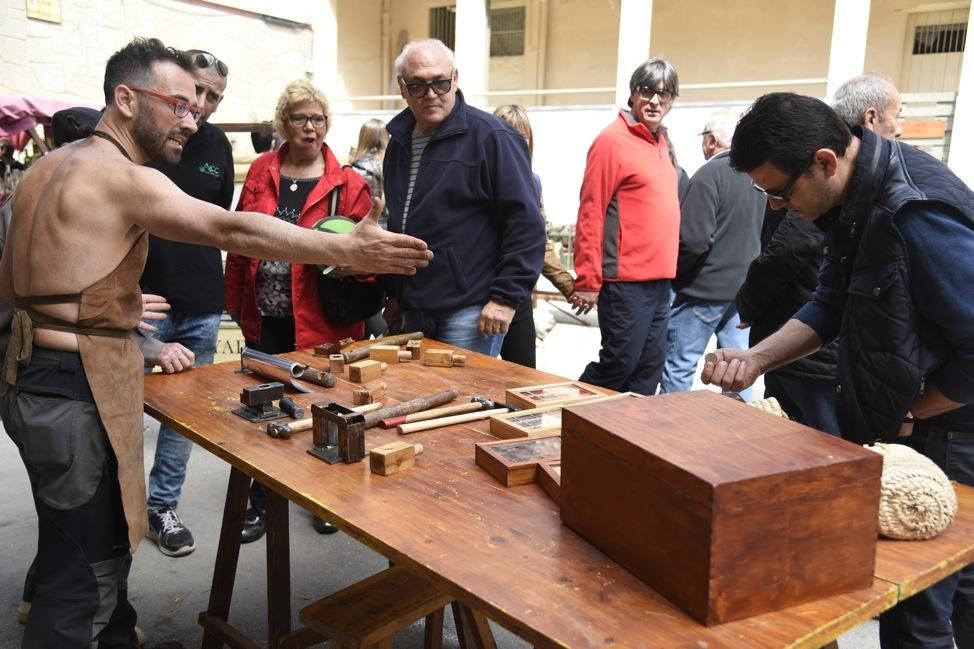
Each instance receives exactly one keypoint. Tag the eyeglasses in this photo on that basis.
(647, 93)
(318, 121)
(205, 60)
(784, 194)
(702, 133)
(419, 89)
(180, 107)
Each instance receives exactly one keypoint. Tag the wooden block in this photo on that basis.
(369, 394)
(393, 457)
(336, 363)
(514, 462)
(551, 394)
(438, 358)
(923, 129)
(721, 509)
(364, 371)
(384, 353)
(327, 349)
(459, 360)
(404, 356)
(415, 349)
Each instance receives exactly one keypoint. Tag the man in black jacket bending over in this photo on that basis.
(781, 280)
(895, 289)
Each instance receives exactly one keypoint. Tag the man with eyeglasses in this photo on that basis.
(627, 234)
(720, 230)
(783, 277)
(190, 277)
(895, 288)
(461, 179)
(72, 397)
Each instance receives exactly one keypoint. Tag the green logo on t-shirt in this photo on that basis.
(210, 169)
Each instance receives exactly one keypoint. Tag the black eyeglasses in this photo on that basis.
(180, 107)
(647, 93)
(784, 194)
(299, 120)
(419, 89)
(206, 60)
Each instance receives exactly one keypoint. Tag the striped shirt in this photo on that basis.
(419, 145)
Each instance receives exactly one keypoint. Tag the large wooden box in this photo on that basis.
(725, 510)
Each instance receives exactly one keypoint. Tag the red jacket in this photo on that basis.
(261, 193)
(628, 227)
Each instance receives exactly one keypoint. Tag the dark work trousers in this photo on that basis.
(944, 613)
(276, 337)
(520, 344)
(79, 576)
(633, 318)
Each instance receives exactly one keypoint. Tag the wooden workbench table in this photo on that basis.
(502, 551)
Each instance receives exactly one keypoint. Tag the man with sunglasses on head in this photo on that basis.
(72, 381)
(627, 235)
(460, 179)
(190, 277)
(895, 287)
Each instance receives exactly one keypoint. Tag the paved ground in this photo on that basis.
(169, 593)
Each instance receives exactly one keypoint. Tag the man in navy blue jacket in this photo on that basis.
(461, 179)
(894, 288)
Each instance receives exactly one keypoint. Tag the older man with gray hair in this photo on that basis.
(870, 100)
(630, 186)
(720, 233)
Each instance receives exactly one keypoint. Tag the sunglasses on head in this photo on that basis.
(204, 60)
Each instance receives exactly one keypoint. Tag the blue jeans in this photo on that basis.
(197, 332)
(458, 328)
(807, 401)
(943, 613)
(632, 320)
(692, 323)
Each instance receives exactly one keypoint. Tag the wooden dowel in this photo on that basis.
(405, 429)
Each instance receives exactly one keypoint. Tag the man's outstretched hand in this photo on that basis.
(374, 250)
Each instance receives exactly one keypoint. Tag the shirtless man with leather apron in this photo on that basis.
(72, 377)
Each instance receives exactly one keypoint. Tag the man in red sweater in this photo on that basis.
(627, 235)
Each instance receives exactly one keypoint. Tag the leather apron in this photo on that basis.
(109, 310)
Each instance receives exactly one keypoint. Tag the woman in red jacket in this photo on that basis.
(276, 303)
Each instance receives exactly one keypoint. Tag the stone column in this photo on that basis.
(635, 22)
(473, 49)
(324, 54)
(960, 157)
(850, 26)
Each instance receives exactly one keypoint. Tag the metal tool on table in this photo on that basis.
(292, 409)
(258, 402)
(339, 432)
(284, 430)
(283, 370)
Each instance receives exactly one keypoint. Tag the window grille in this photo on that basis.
(939, 39)
(507, 31)
(443, 25)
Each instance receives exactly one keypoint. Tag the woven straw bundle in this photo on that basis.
(917, 500)
(769, 405)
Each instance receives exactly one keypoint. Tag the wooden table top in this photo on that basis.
(504, 550)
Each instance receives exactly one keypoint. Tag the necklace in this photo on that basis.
(294, 181)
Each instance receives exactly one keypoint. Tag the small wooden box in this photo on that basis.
(725, 510)
(551, 394)
(514, 462)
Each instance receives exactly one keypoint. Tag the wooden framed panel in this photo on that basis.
(551, 394)
(549, 479)
(515, 462)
